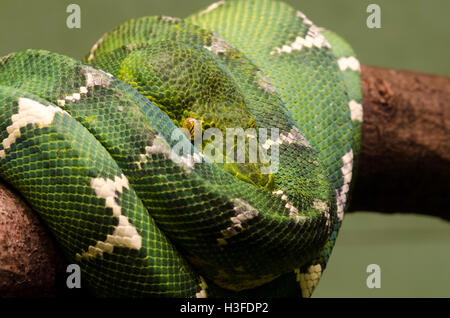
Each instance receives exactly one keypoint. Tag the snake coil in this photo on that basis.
(90, 146)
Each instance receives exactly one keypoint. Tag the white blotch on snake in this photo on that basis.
(349, 63)
(93, 77)
(264, 82)
(313, 38)
(203, 286)
(30, 112)
(308, 281)
(74, 97)
(243, 213)
(169, 19)
(356, 110)
(323, 208)
(125, 234)
(296, 137)
(269, 142)
(94, 48)
(293, 211)
(213, 6)
(96, 77)
(161, 146)
(341, 194)
(304, 18)
(218, 45)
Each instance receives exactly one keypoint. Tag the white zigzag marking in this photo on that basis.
(313, 38)
(243, 213)
(125, 234)
(296, 137)
(30, 112)
(161, 146)
(293, 211)
(93, 77)
(341, 194)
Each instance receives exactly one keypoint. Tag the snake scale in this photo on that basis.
(90, 144)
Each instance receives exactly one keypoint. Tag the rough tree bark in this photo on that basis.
(404, 167)
(29, 261)
(405, 151)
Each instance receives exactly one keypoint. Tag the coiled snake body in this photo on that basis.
(89, 147)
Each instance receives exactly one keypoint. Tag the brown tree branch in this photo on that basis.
(404, 167)
(29, 261)
(405, 150)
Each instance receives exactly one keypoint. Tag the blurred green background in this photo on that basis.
(412, 251)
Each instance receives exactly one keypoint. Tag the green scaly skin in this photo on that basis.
(88, 146)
